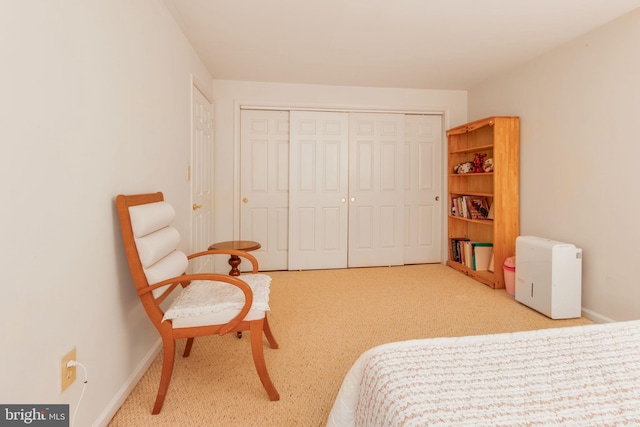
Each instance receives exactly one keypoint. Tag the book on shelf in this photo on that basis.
(458, 249)
(454, 207)
(470, 207)
(468, 255)
(478, 207)
(458, 207)
(473, 255)
(481, 254)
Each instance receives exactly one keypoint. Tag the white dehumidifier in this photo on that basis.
(549, 276)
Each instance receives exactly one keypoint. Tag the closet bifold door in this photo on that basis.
(423, 189)
(376, 189)
(264, 185)
(318, 190)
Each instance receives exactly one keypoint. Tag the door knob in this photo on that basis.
(245, 200)
(353, 199)
(437, 198)
(196, 206)
(343, 200)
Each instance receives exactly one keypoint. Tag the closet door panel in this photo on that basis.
(318, 190)
(376, 189)
(422, 178)
(264, 185)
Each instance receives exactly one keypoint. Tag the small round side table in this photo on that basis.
(239, 245)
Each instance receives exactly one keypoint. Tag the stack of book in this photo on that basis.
(474, 255)
(471, 207)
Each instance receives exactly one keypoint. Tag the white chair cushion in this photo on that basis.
(213, 303)
(150, 217)
(155, 246)
(217, 318)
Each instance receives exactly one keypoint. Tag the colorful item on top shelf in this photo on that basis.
(478, 161)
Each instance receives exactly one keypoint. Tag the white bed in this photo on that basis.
(581, 375)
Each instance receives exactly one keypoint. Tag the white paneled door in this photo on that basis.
(422, 181)
(376, 189)
(318, 190)
(264, 185)
(201, 175)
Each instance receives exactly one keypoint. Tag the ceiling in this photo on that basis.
(421, 44)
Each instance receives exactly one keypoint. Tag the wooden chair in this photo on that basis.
(208, 303)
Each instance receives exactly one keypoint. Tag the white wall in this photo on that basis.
(230, 95)
(95, 101)
(580, 151)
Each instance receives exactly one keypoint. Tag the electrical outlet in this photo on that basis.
(68, 373)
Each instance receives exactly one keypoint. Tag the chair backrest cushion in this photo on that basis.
(157, 242)
(155, 246)
(150, 217)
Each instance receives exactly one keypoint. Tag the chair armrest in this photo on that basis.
(234, 281)
(242, 254)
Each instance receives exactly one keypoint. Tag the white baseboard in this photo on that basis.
(127, 387)
(598, 318)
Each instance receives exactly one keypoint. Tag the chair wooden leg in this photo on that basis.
(167, 368)
(256, 328)
(268, 334)
(187, 347)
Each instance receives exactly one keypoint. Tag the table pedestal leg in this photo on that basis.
(234, 262)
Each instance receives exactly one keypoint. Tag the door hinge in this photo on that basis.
(189, 173)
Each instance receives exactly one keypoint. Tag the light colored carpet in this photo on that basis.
(323, 320)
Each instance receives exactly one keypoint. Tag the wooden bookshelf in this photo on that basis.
(497, 138)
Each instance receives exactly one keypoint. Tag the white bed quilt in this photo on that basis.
(582, 375)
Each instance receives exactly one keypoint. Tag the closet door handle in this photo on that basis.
(353, 199)
(344, 199)
(196, 206)
(437, 198)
